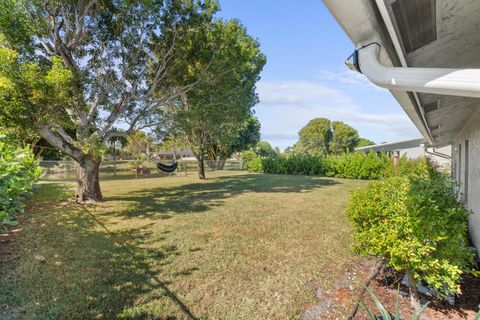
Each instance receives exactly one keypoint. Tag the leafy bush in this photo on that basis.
(252, 162)
(413, 221)
(357, 165)
(349, 165)
(18, 172)
(294, 164)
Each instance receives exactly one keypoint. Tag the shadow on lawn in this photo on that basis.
(89, 271)
(162, 202)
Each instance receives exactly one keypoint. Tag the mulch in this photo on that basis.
(385, 287)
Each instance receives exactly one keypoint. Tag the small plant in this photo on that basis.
(385, 315)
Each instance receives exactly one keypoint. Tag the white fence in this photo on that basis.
(66, 170)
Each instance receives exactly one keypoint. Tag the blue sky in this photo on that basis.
(305, 76)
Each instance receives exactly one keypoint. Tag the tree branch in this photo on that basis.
(58, 140)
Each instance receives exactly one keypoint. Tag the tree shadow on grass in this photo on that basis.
(88, 271)
(163, 202)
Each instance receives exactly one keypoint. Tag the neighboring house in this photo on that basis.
(426, 53)
(413, 149)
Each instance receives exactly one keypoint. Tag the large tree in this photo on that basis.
(315, 137)
(211, 115)
(84, 66)
(244, 136)
(344, 138)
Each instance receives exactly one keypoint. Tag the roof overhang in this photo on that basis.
(392, 146)
(439, 118)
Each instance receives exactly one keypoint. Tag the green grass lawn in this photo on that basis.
(236, 246)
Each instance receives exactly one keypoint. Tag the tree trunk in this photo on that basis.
(220, 164)
(88, 184)
(414, 299)
(201, 167)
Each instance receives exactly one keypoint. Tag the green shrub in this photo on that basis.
(357, 165)
(412, 220)
(349, 165)
(294, 164)
(18, 172)
(252, 162)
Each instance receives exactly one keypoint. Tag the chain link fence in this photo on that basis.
(65, 170)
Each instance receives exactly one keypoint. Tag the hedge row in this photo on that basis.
(18, 172)
(349, 165)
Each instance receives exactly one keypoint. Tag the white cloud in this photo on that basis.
(346, 78)
(297, 92)
(286, 106)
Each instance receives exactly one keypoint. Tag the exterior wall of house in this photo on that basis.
(466, 170)
(417, 152)
(414, 151)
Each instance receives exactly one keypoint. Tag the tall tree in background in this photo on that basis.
(362, 142)
(265, 149)
(83, 66)
(344, 138)
(322, 137)
(212, 114)
(315, 137)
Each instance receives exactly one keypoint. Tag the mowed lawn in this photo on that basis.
(236, 246)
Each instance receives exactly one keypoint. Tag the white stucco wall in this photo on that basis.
(470, 132)
(413, 153)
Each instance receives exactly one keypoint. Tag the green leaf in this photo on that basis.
(10, 222)
(381, 308)
(477, 317)
(397, 303)
(369, 312)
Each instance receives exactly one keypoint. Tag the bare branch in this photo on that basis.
(57, 140)
(115, 114)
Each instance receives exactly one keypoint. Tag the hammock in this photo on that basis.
(168, 168)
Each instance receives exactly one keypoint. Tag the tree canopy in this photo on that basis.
(322, 137)
(265, 149)
(344, 138)
(315, 137)
(213, 114)
(72, 70)
(362, 142)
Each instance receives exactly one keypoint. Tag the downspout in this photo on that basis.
(438, 154)
(444, 81)
(382, 8)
